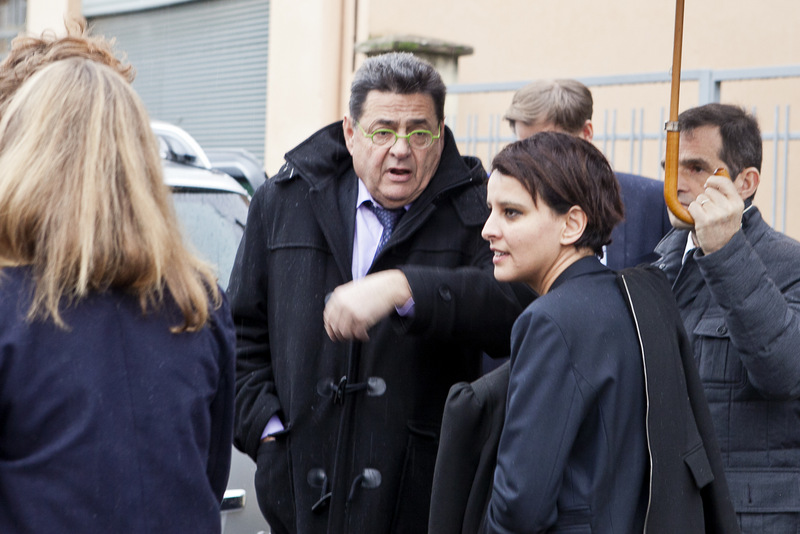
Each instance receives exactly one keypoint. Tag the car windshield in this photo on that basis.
(213, 222)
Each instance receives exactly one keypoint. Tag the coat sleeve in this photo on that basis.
(457, 459)
(471, 427)
(763, 319)
(544, 393)
(256, 399)
(466, 303)
(219, 455)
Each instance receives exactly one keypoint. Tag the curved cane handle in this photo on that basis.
(671, 180)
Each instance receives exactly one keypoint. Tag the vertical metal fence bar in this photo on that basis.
(499, 132)
(775, 168)
(785, 201)
(613, 136)
(469, 135)
(490, 140)
(499, 137)
(632, 139)
(661, 136)
(641, 141)
(475, 134)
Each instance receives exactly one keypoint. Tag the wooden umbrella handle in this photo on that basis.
(673, 134)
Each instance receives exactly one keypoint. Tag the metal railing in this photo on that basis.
(484, 133)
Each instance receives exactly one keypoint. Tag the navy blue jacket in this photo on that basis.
(646, 222)
(573, 449)
(116, 424)
(687, 493)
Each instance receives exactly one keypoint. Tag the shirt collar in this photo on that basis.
(689, 246)
(364, 196)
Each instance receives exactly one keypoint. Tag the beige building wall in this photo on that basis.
(50, 14)
(521, 40)
(312, 59)
(307, 73)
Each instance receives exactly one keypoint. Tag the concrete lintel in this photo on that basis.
(413, 43)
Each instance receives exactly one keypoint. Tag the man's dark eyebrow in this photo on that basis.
(393, 123)
(419, 122)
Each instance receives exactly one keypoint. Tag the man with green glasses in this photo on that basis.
(362, 291)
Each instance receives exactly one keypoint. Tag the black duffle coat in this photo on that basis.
(358, 452)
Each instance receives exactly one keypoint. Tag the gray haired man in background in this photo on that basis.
(566, 106)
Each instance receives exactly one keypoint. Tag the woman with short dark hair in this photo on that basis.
(605, 412)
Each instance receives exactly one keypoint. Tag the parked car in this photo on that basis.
(177, 145)
(212, 210)
(240, 164)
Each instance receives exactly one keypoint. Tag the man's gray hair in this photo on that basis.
(400, 73)
(566, 104)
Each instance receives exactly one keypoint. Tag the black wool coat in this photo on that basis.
(357, 458)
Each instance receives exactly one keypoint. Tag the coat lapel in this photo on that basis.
(334, 208)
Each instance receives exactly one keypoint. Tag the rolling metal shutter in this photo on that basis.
(199, 65)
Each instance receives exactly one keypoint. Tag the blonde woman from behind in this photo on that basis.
(116, 366)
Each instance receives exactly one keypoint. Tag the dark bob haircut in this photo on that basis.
(562, 171)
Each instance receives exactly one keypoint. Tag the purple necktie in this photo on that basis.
(388, 219)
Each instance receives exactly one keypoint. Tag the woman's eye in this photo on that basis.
(511, 213)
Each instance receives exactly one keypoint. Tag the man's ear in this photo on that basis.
(747, 182)
(587, 132)
(348, 126)
(575, 221)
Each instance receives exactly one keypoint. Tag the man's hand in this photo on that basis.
(353, 308)
(717, 214)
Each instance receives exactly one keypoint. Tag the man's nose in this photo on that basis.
(682, 183)
(401, 148)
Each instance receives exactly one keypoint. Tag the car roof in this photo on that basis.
(177, 137)
(177, 175)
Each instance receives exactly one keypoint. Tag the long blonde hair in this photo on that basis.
(83, 201)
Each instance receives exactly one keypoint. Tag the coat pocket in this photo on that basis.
(414, 495)
(764, 490)
(698, 464)
(274, 488)
(718, 361)
(767, 501)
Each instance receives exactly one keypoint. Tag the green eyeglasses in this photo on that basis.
(388, 137)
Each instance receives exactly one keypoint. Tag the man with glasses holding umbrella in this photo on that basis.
(362, 291)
